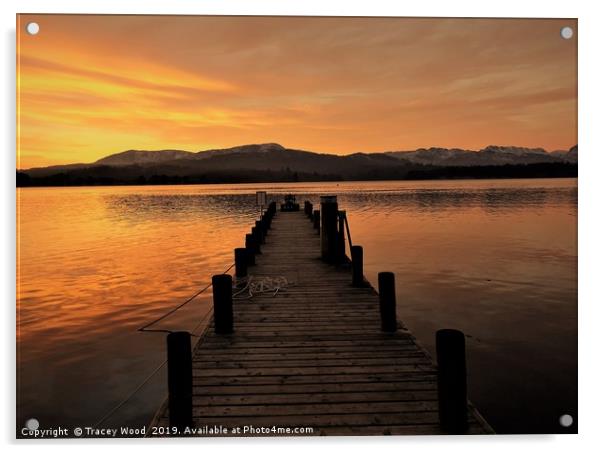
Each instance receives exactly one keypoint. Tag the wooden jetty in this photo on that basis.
(321, 353)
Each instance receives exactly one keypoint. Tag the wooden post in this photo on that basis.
(260, 234)
(316, 219)
(179, 379)
(250, 247)
(328, 233)
(222, 304)
(264, 225)
(310, 209)
(386, 293)
(357, 265)
(341, 237)
(240, 262)
(256, 239)
(451, 381)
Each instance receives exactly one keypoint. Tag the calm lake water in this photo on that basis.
(496, 259)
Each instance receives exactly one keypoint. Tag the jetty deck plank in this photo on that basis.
(313, 355)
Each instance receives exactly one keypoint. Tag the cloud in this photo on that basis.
(93, 85)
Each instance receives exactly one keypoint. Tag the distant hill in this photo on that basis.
(135, 157)
(491, 155)
(273, 162)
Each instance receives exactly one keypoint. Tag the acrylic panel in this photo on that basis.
(295, 226)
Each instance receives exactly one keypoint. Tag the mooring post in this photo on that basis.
(263, 221)
(272, 208)
(328, 233)
(179, 380)
(310, 209)
(256, 239)
(316, 219)
(451, 381)
(222, 303)
(386, 293)
(240, 262)
(341, 237)
(250, 248)
(357, 265)
(260, 234)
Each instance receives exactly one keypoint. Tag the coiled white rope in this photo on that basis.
(253, 285)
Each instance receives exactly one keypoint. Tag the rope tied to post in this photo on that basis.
(145, 328)
(348, 229)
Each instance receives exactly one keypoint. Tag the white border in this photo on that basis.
(590, 200)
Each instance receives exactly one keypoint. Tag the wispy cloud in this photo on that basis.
(93, 85)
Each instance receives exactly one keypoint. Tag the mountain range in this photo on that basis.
(273, 162)
(491, 155)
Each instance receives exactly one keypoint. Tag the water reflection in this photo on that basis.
(494, 258)
(181, 208)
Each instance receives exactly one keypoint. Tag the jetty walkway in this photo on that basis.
(319, 356)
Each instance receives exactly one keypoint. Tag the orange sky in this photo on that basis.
(90, 86)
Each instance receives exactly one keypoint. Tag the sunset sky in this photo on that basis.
(90, 86)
